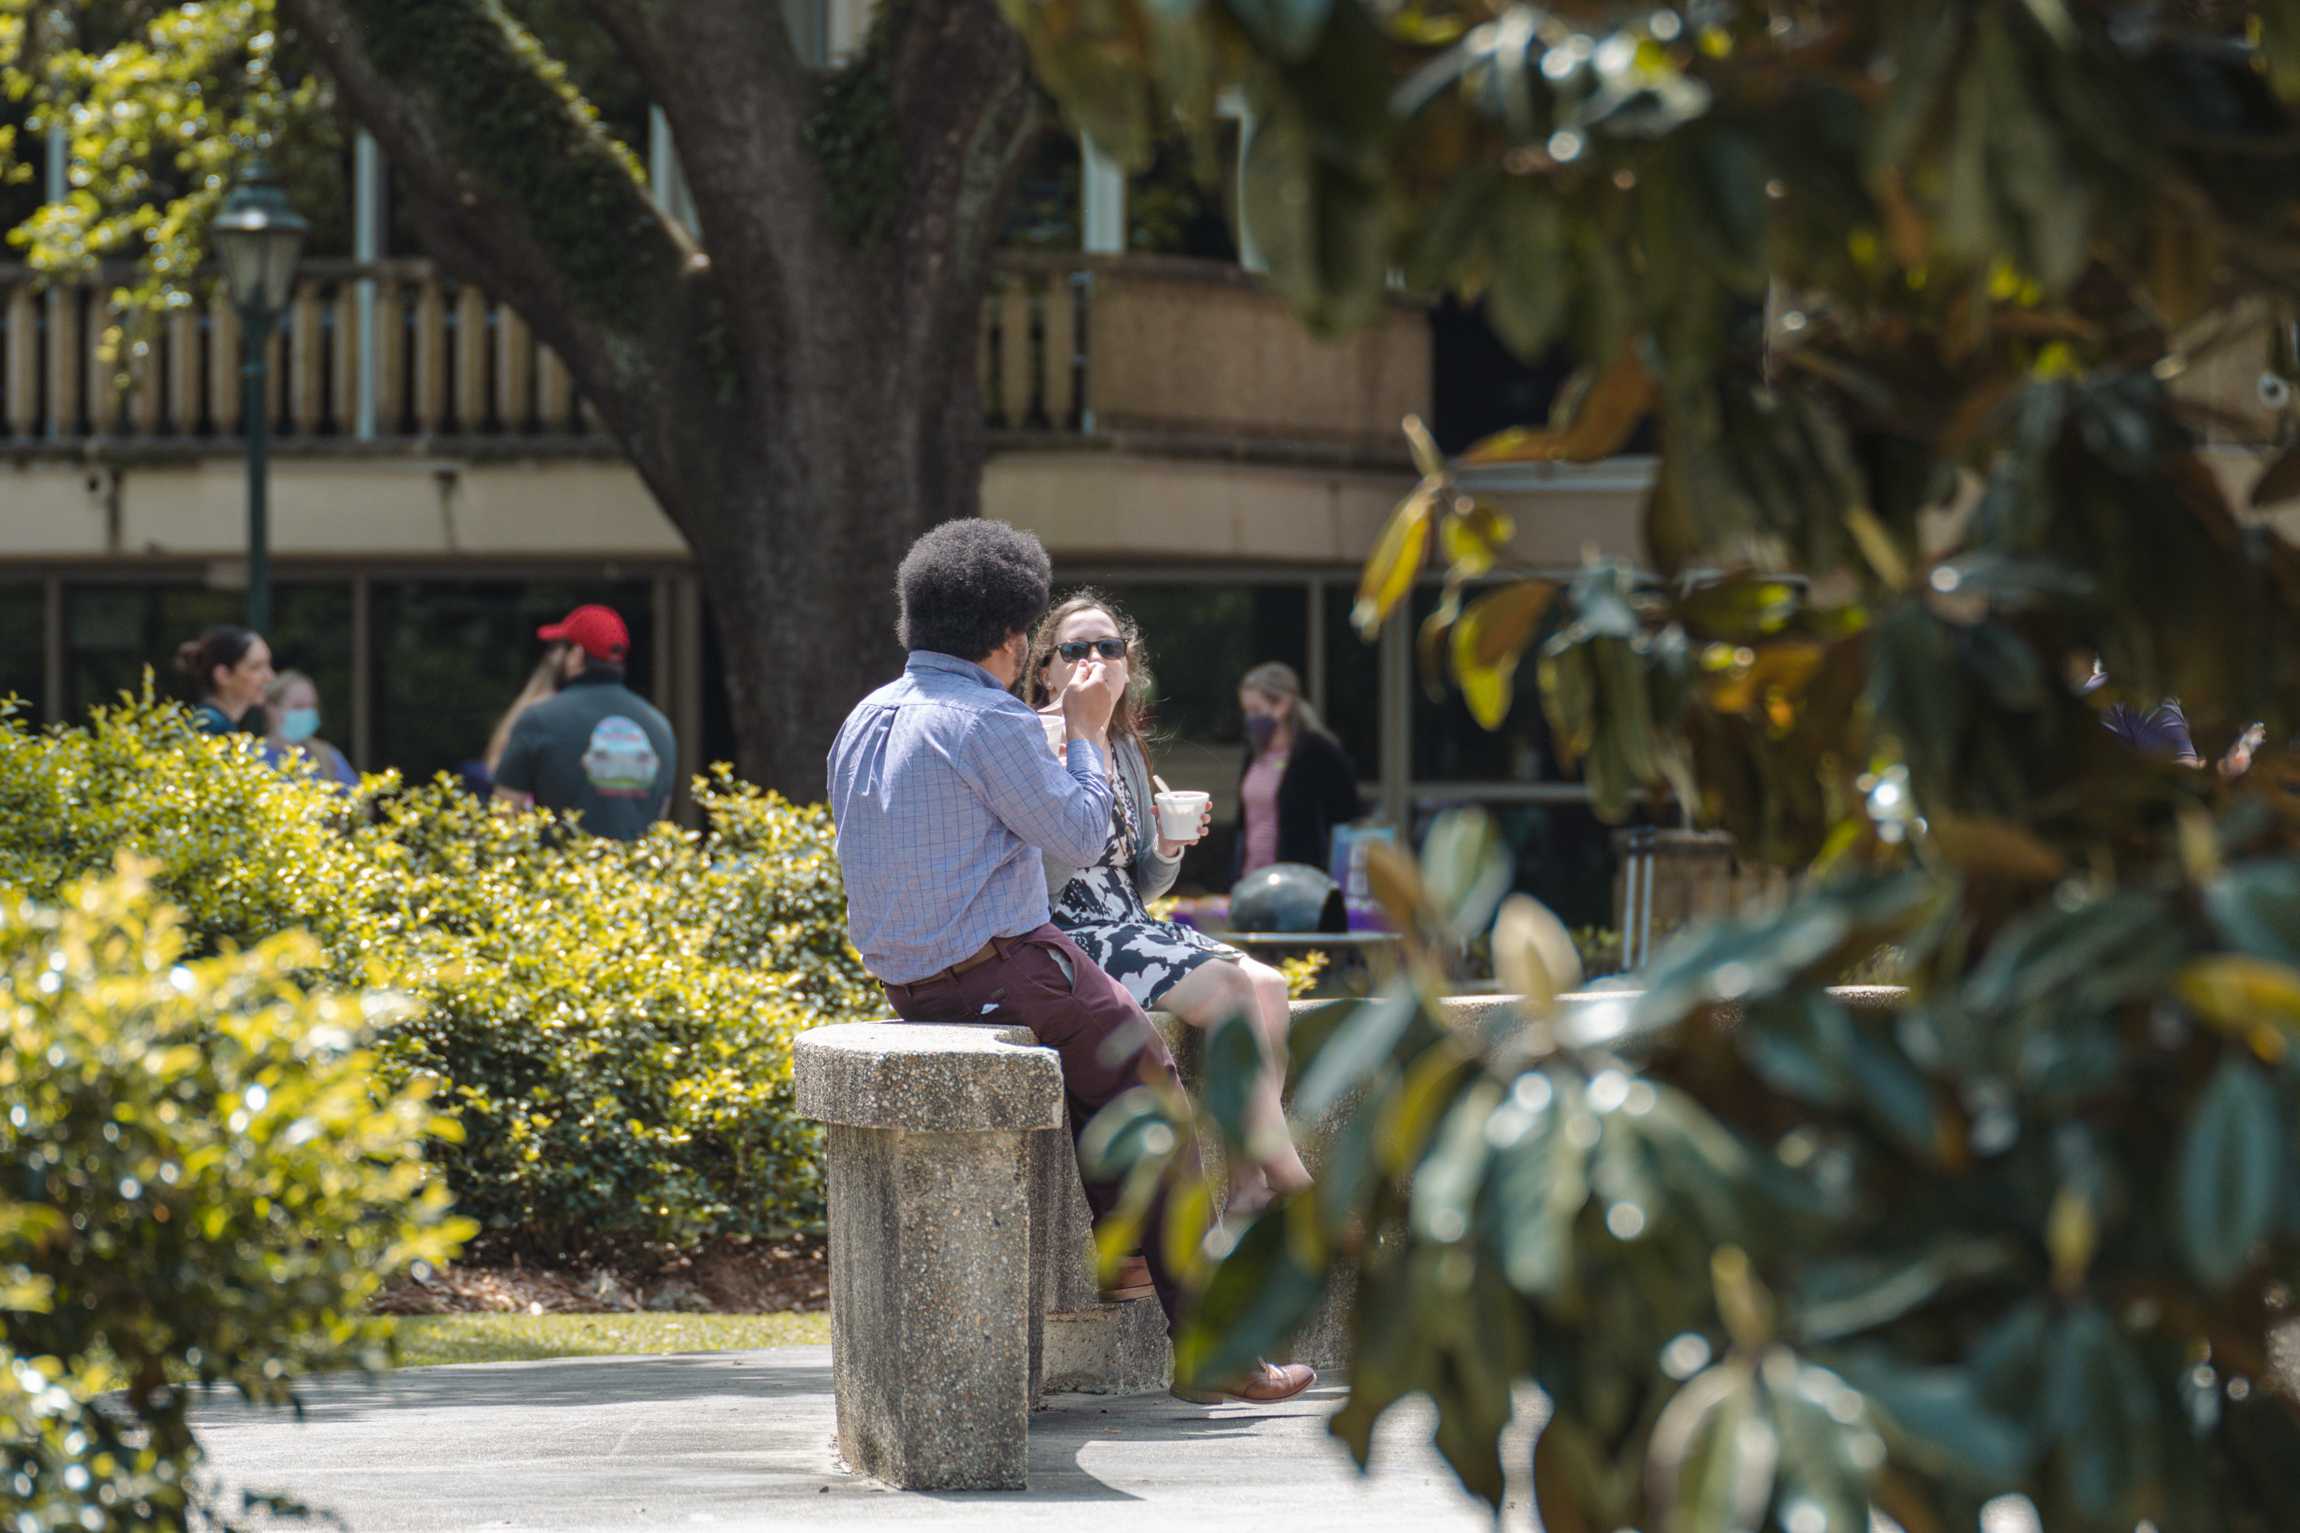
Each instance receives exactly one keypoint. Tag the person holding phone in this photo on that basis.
(1103, 906)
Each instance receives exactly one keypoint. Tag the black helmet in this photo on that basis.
(1288, 897)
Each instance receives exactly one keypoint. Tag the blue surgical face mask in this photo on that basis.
(1261, 729)
(298, 724)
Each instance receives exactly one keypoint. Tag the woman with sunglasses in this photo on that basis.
(1103, 908)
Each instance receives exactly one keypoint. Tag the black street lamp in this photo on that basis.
(258, 238)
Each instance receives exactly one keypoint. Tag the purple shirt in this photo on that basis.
(945, 795)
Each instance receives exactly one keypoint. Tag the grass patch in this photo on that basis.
(428, 1340)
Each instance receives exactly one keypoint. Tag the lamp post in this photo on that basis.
(258, 238)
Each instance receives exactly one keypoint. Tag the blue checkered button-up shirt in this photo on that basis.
(945, 794)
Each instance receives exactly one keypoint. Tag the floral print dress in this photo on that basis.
(1101, 910)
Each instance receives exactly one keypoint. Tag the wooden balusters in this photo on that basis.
(64, 359)
(22, 375)
(1059, 307)
(144, 353)
(225, 396)
(514, 372)
(470, 360)
(1016, 359)
(306, 412)
(390, 357)
(554, 393)
(187, 402)
(431, 358)
(344, 360)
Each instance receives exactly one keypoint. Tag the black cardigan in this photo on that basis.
(1318, 792)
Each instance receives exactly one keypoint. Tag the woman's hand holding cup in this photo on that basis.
(1183, 819)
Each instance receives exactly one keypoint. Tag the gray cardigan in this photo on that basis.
(1153, 874)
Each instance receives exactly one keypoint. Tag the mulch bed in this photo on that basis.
(727, 1279)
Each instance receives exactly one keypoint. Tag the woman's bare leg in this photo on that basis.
(1257, 992)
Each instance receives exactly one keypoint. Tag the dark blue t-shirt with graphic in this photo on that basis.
(600, 748)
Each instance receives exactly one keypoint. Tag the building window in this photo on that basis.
(1170, 211)
(23, 645)
(1044, 214)
(452, 654)
(1353, 688)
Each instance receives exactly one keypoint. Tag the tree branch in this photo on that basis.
(523, 195)
(960, 81)
(737, 95)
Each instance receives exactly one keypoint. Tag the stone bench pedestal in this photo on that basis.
(937, 1287)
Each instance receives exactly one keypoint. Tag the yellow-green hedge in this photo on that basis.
(199, 1179)
(611, 1021)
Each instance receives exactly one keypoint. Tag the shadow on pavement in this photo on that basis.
(1062, 1431)
(585, 1384)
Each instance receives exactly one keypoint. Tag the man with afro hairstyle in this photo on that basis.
(946, 796)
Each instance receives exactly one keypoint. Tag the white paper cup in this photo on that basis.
(1179, 814)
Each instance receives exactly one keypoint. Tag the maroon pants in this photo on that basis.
(1105, 1043)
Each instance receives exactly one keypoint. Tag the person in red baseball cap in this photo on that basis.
(598, 632)
(597, 750)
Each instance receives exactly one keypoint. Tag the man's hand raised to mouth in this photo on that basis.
(1089, 700)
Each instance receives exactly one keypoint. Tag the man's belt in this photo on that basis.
(974, 960)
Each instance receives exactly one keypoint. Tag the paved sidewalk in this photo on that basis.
(744, 1440)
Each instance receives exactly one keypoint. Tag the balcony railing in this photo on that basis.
(1076, 350)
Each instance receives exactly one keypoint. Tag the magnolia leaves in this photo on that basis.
(1613, 401)
(2231, 1173)
(1609, 407)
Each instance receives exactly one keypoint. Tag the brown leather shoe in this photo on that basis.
(1267, 1384)
(1130, 1281)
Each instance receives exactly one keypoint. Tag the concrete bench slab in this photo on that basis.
(934, 1301)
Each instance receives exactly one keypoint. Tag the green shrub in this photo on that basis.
(243, 850)
(611, 1021)
(202, 1183)
(615, 1019)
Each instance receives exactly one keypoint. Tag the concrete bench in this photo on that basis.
(933, 1131)
(961, 1248)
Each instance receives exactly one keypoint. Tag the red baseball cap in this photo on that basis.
(597, 631)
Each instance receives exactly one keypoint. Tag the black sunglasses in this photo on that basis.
(1078, 649)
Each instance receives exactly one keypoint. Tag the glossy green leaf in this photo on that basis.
(1362, 1045)
(1714, 1455)
(1845, 1297)
(2257, 905)
(2229, 1179)
(1936, 1417)
(1828, 1449)
(1131, 1128)
(1234, 1063)
(1447, 1182)
(1258, 1294)
(1541, 1183)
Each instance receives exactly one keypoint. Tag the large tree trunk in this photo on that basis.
(871, 450)
(797, 385)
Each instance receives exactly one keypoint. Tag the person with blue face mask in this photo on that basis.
(291, 710)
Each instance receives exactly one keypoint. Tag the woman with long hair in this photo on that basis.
(1104, 908)
(230, 670)
(1297, 784)
(542, 685)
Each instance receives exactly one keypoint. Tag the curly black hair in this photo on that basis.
(968, 585)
